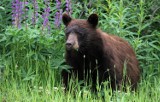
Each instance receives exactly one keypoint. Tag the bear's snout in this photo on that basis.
(69, 45)
(72, 42)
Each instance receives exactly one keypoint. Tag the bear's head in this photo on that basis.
(79, 31)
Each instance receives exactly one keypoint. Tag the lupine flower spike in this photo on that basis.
(17, 13)
(58, 15)
(68, 7)
(45, 16)
(35, 13)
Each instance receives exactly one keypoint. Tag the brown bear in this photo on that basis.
(93, 53)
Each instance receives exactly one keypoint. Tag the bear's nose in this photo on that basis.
(69, 45)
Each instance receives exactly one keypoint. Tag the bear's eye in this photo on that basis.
(67, 33)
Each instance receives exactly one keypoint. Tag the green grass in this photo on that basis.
(25, 91)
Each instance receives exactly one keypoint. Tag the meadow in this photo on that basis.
(32, 48)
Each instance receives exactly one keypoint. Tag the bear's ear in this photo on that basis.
(66, 19)
(93, 19)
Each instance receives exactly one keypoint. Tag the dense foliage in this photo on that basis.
(32, 46)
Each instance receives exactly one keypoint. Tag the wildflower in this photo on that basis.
(16, 13)
(45, 16)
(58, 15)
(68, 7)
(35, 13)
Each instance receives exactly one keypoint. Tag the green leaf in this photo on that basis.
(2, 8)
(154, 46)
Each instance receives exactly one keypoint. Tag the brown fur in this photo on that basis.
(106, 56)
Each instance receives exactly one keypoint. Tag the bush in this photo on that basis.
(28, 53)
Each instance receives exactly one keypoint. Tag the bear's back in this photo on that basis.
(121, 55)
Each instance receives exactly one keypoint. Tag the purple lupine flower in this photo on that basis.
(35, 13)
(58, 15)
(45, 15)
(17, 12)
(68, 7)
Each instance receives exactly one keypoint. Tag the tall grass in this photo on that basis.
(31, 59)
(148, 91)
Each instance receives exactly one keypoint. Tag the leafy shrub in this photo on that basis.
(28, 53)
